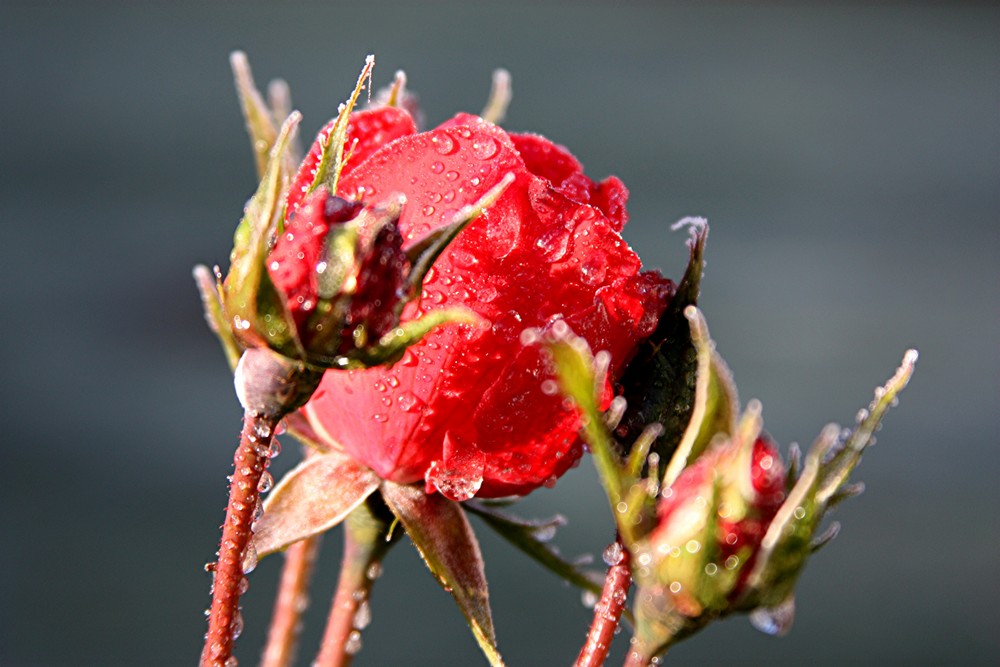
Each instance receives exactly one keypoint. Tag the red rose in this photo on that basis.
(471, 409)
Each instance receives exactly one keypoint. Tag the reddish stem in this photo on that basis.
(607, 613)
(293, 599)
(249, 463)
(365, 545)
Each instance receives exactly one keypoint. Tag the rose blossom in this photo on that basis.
(470, 409)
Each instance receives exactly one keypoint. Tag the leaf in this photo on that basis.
(659, 384)
(532, 538)
(442, 534)
(715, 406)
(211, 301)
(313, 497)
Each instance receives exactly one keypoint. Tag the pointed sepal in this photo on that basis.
(313, 497)
(442, 534)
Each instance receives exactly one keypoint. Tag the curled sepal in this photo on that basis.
(255, 310)
(660, 383)
(715, 406)
(442, 534)
(533, 538)
(313, 497)
(791, 536)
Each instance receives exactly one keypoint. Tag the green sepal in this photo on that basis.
(332, 161)
(532, 538)
(441, 533)
(424, 252)
(260, 122)
(791, 536)
(715, 406)
(660, 383)
(311, 498)
(390, 348)
(211, 300)
(255, 309)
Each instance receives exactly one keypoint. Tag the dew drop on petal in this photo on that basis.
(485, 148)
(444, 144)
(409, 402)
(437, 167)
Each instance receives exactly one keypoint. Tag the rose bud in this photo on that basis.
(710, 522)
(470, 409)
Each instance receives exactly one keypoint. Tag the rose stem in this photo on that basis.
(249, 463)
(286, 619)
(607, 613)
(365, 545)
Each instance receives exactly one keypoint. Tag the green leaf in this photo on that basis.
(442, 534)
(660, 383)
(532, 538)
(391, 346)
(313, 497)
(715, 407)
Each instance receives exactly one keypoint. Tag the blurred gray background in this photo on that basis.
(846, 156)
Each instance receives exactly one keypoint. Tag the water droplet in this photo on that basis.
(449, 196)
(363, 616)
(776, 621)
(485, 148)
(554, 244)
(444, 144)
(353, 643)
(409, 402)
(437, 167)
(392, 381)
(274, 449)
(550, 387)
(613, 554)
(236, 627)
(452, 175)
(380, 418)
(594, 268)
(428, 210)
(374, 571)
(265, 483)
(249, 558)
(675, 587)
(231, 661)
(243, 585)
(589, 599)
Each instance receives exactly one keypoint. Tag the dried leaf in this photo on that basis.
(313, 497)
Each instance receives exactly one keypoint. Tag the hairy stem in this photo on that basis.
(607, 612)
(236, 554)
(292, 601)
(365, 544)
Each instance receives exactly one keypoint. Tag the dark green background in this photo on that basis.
(848, 158)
